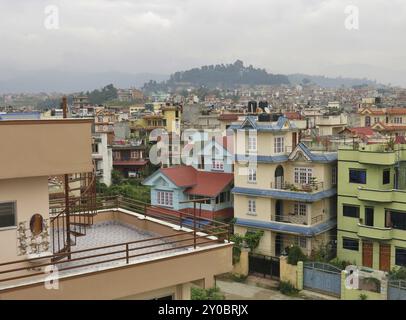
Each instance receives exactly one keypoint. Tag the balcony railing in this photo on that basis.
(298, 219)
(305, 187)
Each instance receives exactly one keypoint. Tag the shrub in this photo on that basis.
(287, 288)
(363, 296)
(398, 273)
(206, 294)
(341, 264)
(295, 255)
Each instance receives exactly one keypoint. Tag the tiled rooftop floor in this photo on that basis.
(112, 232)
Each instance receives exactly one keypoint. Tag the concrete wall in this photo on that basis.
(45, 147)
(31, 197)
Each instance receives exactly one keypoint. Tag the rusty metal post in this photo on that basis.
(66, 178)
(194, 225)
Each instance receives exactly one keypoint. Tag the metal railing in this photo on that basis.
(211, 232)
(300, 187)
(298, 219)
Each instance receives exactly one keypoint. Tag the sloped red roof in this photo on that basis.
(293, 115)
(364, 131)
(229, 116)
(396, 111)
(202, 183)
(182, 176)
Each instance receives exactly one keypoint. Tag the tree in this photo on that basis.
(116, 177)
(206, 294)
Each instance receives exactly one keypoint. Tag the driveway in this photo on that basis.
(243, 291)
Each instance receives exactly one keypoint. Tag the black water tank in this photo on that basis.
(252, 107)
(275, 116)
(263, 104)
(264, 117)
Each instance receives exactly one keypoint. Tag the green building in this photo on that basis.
(371, 213)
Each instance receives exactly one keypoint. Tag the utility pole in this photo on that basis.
(67, 213)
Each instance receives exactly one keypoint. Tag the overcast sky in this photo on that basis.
(163, 36)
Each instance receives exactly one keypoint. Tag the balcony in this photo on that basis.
(297, 187)
(375, 195)
(381, 158)
(298, 219)
(371, 232)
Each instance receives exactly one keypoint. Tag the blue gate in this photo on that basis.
(397, 290)
(322, 277)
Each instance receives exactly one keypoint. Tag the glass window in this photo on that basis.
(303, 175)
(386, 176)
(7, 214)
(252, 175)
(400, 257)
(165, 198)
(252, 143)
(358, 176)
(300, 208)
(279, 144)
(334, 176)
(396, 220)
(350, 244)
(350, 211)
(252, 207)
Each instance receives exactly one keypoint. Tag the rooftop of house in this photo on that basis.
(200, 183)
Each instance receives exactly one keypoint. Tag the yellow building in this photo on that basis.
(282, 187)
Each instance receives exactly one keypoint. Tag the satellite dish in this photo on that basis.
(267, 110)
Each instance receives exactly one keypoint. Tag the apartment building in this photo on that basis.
(114, 248)
(384, 118)
(372, 205)
(130, 157)
(103, 157)
(282, 187)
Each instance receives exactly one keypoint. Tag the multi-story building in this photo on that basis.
(282, 187)
(83, 249)
(104, 123)
(103, 157)
(130, 158)
(372, 205)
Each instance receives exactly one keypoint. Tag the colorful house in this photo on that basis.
(282, 187)
(372, 205)
(171, 188)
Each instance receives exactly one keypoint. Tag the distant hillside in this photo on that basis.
(327, 82)
(220, 75)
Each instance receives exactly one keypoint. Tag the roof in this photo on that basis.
(363, 131)
(252, 123)
(314, 156)
(229, 116)
(201, 183)
(307, 231)
(293, 115)
(396, 111)
(286, 195)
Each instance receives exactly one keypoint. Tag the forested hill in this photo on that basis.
(226, 76)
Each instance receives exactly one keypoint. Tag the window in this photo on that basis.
(218, 165)
(252, 207)
(400, 257)
(116, 155)
(134, 155)
(303, 175)
(386, 176)
(279, 144)
(397, 120)
(252, 175)
(334, 176)
(350, 244)
(252, 143)
(396, 220)
(376, 119)
(164, 198)
(358, 176)
(301, 242)
(350, 211)
(7, 214)
(300, 208)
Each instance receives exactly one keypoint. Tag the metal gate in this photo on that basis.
(264, 266)
(397, 290)
(322, 277)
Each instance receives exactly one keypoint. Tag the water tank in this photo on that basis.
(275, 116)
(252, 107)
(264, 117)
(262, 105)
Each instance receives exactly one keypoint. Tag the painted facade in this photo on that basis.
(372, 206)
(288, 191)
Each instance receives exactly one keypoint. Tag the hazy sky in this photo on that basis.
(163, 36)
